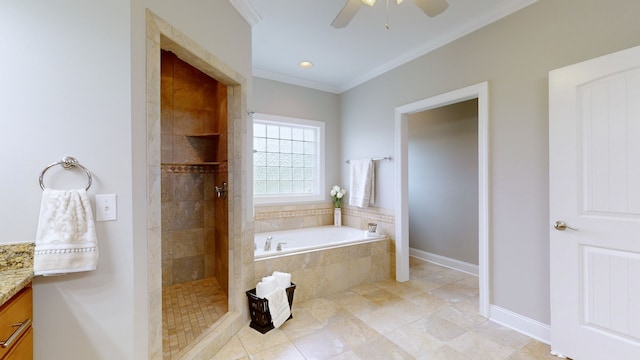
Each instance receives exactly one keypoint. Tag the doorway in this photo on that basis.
(194, 203)
(479, 92)
(239, 275)
(443, 185)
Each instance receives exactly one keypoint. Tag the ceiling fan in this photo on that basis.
(430, 7)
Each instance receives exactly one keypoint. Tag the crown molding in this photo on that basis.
(244, 8)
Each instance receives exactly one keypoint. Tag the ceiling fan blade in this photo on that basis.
(432, 7)
(346, 14)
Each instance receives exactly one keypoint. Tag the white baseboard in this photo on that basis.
(522, 324)
(444, 261)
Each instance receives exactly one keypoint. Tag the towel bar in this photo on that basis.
(67, 163)
(387, 158)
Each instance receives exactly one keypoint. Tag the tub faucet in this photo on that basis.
(279, 247)
(267, 244)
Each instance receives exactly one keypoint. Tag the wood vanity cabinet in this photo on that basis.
(16, 333)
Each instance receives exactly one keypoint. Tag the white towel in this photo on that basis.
(66, 237)
(283, 279)
(278, 306)
(266, 286)
(362, 184)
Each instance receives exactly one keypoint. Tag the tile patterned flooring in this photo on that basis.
(432, 316)
(188, 309)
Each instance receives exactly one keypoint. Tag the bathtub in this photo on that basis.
(310, 239)
(324, 260)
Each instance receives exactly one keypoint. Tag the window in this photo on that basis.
(288, 159)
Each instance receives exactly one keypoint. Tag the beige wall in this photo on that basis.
(514, 55)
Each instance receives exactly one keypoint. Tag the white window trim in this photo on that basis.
(295, 199)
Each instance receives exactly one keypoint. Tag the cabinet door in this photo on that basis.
(23, 349)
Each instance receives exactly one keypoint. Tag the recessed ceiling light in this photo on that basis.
(305, 64)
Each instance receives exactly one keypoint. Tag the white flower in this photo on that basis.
(337, 194)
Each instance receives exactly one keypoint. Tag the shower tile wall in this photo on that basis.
(185, 233)
(194, 221)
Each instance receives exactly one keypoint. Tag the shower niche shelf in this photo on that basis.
(206, 146)
(210, 136)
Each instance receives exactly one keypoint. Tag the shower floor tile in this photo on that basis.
(188, 309)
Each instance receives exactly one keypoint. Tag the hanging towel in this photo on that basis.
(362, 184)
(66, 237)
(278, 306)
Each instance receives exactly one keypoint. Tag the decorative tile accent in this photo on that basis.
(179, 168)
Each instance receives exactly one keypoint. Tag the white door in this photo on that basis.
(594, 160)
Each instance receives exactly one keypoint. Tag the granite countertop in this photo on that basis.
(12, 281)
(16, 268)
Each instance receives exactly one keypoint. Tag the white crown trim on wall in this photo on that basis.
(247, 11)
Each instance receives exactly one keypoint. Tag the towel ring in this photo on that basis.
(67, 163)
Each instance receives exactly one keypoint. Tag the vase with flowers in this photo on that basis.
(337, 194)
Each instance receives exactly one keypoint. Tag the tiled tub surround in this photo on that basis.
(16, 268)
(327, 271)
(288, 217)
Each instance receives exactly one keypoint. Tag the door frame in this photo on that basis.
(481, 92)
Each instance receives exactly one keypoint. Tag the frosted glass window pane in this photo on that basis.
(259, 159)
(273, 145)
(273, 131)
(285, 186)
(296, 147)
(273, 159)
(285, 157)
(285, 132)
(260, 173)
(272, 187)
(297, 186)
(259, 144)
(285, 146)
(285, 173)
(308, 186)
(309, 135)
(308, 173)
(273, 173)
(259, 130)
(260, 187)
(309, 148)
(308, 160)
(297, 174)
(297, 134)
(297, 160)
(285, 160)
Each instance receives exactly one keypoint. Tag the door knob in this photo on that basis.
(562, 226)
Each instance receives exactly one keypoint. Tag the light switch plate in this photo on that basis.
(106, 207)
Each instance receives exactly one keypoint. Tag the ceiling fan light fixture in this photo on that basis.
(370, 2)
(399, 1)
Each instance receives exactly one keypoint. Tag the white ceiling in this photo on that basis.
(286, 32)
